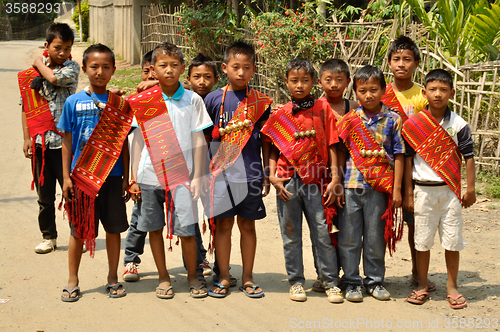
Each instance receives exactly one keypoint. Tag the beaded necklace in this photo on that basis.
(100, 105)
(308, 103)
(233, 124)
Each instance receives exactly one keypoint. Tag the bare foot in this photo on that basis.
(249, 289)
(217, 290)
(164, 289)
(116, 289)
(71, 285)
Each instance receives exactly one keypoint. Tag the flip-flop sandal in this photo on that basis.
(456, 305)
(318, 287)
(417, 299)
(115, 296)
(71, 299)
(166, 296)
(198, 295)
(432, 286)
(253, 287)
(232, 280)
(221, 288)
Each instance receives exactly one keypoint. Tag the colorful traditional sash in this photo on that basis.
(307, 155)
(163, 147)
(390, 100)
(96, 161)
(436, 147)
(375, 169)
(40, 119)
(233, 143)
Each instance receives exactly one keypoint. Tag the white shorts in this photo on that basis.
(437, 208)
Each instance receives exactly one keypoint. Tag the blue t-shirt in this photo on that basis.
(250, 167)
(79, 117)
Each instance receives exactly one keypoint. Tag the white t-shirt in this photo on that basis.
(188, 115)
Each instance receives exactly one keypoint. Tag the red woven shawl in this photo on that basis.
(163, 147)
(436, 147)
(96, 161)
(40, 119)
(375, 169)
(390, 100)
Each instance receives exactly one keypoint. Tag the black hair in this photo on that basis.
(168, 49)
(203, 60)
(439, 75)
(147, 58)
(301, 63)
(99, 48)
(335, 66)
(404, 43)
(61, 30)
(239, 47)
(368, 72)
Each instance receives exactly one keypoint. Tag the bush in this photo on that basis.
(85, 19)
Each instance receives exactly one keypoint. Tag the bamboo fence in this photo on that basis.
(477, 97)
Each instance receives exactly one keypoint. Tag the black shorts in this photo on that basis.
(110, 207)
(239, 199)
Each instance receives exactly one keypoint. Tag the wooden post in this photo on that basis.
(80, 21)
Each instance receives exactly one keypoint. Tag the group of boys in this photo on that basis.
(346, 167)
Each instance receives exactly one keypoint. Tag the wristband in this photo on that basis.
(130, 185)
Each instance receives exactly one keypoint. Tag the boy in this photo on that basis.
(55, 78)
(134, 243)
(304, 126)
(405, 98)
(95, 168)
(334, 77)
(172, 120)
(237, 176)
(373, 171)
(436, 138)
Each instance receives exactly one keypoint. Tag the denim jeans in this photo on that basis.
(134, 242)
(362, 227)
(306, 199)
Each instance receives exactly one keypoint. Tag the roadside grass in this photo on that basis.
(488, 184)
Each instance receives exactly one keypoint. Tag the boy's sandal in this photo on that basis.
(456, 305)
(253, 287)
(432, 286)
(232, 280)
(75, 291)
(417, 297)
(165, 296)
(318, 287)
(199, 294)
(221, 288)
(115, 287)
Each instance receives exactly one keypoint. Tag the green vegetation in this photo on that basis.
(85, 19)
(491, 184)
(126, 79)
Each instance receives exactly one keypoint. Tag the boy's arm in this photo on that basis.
(45, 71)
(342, 158)
(126, 168)
(199, 182)
(144, 85)
(398, 179)
(26, 135)
(276, 181)
(408, 184)
(136, 147)
(470, 195)
(67, 157)
(332, 186)
(266, 150)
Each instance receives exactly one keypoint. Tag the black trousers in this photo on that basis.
(52, 173)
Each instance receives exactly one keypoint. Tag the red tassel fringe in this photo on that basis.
(393, 226)
(81, 213)
(215, 133)
(330, 213)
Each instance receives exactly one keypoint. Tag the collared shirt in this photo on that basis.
(385, 128)
(459, 131)
(67, 83)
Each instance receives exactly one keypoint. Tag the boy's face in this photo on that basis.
(299, 83)
(59, 50)
(168, 69)
(147, 73)
(99, 68)
(334, 83)
(437, 94)
(403, 64)
(202, 79)
(239, 69)
(369, 94)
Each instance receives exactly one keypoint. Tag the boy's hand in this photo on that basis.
(265, 186)
(135, 192)
(118, 92)
(469, 198)
(125, 193)
(280, 188)
(396, 199)
(27, 148)
(330, 192)
(408, 202)
(38, 62)
(196, 188)
(340, 199)
(144, 85)
(68, 189)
